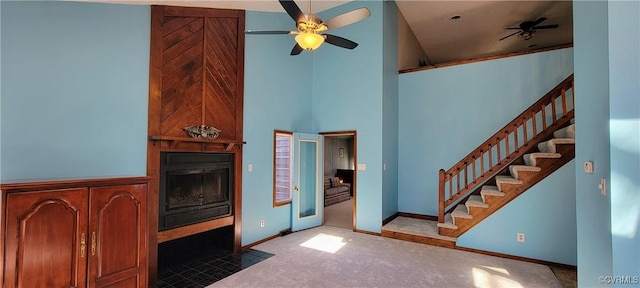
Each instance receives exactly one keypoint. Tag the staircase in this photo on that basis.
(531, 147)
(504, 187)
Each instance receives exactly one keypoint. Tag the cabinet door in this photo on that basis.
(118, 231)
(44, 239)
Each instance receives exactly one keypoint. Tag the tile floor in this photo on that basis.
(206, 268)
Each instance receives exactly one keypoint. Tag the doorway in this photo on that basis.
(339, 175)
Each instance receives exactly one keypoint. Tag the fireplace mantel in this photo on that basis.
(174, 141)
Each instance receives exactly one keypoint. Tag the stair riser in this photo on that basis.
(522, 174)
(418, 239)
(447, 232)
(473, 210)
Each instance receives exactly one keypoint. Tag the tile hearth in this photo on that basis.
(205, 268)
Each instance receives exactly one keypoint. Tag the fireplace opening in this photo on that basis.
(194, 187)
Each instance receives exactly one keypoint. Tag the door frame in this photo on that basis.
(354, 185)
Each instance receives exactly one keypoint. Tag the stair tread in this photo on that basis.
(461, 212)
(476, 201)
(507, 179)
(448, 222)
(530, 159)
(501, 179)
(564, 140)
(545, 155)
(566, 132)
(550, 145)
(525, 168)
(491, 190)
(514, 169)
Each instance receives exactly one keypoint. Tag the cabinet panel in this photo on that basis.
(39, 254)
(118, 225)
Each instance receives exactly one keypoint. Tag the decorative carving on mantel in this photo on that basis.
(202, 131)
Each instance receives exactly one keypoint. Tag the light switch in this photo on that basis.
(588, 167)
(250, 167)
(603, 187)
(362, 166)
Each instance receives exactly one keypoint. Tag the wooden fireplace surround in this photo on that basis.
(196, 78)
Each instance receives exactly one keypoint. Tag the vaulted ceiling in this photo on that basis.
(447, 31)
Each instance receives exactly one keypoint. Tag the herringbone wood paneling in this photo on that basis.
(190, 45)
(221, 74)
(181, 74)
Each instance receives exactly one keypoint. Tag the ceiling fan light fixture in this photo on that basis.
(526, 35)
(309, 40)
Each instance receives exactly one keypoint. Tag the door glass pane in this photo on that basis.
(308, 172)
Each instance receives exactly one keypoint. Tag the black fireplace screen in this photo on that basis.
(194, 187)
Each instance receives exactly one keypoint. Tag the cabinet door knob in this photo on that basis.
(93, 243)
(83, 244)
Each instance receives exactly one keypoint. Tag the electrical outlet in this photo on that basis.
(520, 237)
(261, 223)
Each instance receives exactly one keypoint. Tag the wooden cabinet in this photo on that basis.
(81, 233)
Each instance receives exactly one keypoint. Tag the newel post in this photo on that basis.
(441, 196)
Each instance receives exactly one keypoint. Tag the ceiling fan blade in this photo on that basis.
(292, 9)
(538, 21)
(505, 37)
(347, 18)
(545, 27)
(267, 32)
(296, 50)
(339, 41)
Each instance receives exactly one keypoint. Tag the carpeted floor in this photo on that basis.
(334, 257)
(568, 277)
(339, 215)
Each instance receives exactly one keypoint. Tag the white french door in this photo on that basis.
(306, 197)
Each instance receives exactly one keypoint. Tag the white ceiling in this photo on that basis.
(481, 25)
(476, 34)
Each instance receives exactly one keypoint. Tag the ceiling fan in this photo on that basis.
(310, 28)
(527, 29)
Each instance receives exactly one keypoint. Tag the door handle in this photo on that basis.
(93, 244)
(83, 244)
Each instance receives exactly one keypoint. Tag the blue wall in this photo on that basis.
(390, 111)
(550, 236)
(607, 41)
(348, 95)
(624, 125)
(74, 99)
(440, 106)
(277, 95)
(590, 36)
